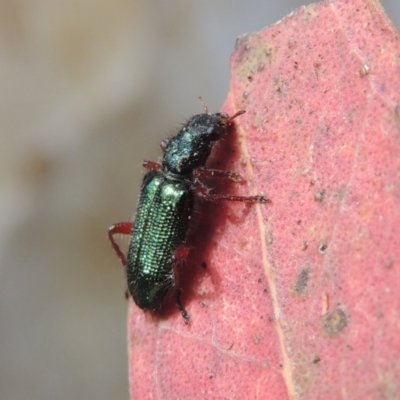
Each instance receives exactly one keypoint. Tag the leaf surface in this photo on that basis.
(299, 297)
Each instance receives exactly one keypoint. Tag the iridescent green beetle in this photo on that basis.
(165, 209)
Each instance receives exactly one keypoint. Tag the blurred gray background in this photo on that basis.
(88, 89)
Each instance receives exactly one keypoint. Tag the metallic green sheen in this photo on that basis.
(160, 227)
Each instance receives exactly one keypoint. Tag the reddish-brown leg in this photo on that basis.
(201, 192)
(201, 188)
(184, 313)
(180, 255)
(216, 173)
(178, 258)
(151, 165)
(120, 228)
(228, 197)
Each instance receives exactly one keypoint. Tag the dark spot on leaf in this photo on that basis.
(260, 66)
(389, 264)
(292, 43)
(320, 195)
(270, 237)
(322, 248)
(334, 322)
(323, 129)
(257, 339)
(397, 112)
(316, 359)
(302, 280)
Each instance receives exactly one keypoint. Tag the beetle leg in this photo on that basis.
(185, 315)
(178, 258)
(120, 228)
(202, 193)
(151, 165)
(216, 173)
(228, 197)
(180, 254)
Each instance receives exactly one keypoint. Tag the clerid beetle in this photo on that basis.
(165, 210)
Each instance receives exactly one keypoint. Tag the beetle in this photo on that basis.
(165, 210)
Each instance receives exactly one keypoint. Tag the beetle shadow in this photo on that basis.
(208, 218)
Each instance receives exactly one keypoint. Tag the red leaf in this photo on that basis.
(300, 297)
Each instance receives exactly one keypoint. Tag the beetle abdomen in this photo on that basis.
(160, 226)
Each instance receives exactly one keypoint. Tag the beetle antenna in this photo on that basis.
(240, 112)
(204, 106)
